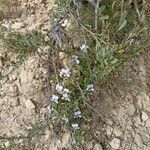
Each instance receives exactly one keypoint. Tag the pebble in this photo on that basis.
(138, 140)
(97, 147)
(117, 132)
(115, 143)
(148, 123)
(131, 110)
(61, 55)
(64, 24)
(17, 25)
(144, 116)
(47, 134)
(29, 104)
(109, 130)
(14, 101)
(46, 48)
(139, 102)
(109, 122)
(12, 78)
(89, 145)
(23, 76)
(138, 121)
(145, 101)
(7, 144)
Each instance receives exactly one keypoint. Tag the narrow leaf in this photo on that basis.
(122, 25)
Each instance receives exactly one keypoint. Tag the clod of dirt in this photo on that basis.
(17, 25)
(138, 140)
(89, 145)
(29, 104)
(117, 132)
(109, 130)
(115, 143)
(131, 109)
(61, 55)
(97, 147)
(7, 144)
(148, 123)
(144, 116)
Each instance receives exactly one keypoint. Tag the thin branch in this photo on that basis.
(96, 15)
(82, 93)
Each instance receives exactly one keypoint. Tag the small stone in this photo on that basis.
(23, 76)
(14, 101)
(109, 130)
(12, 78)
(115, 143)
(145, 101)
(139, 102)
(97, 147)
(47, 134)
(61, 55)
(138, 121)
(117, 132)
(29, 104)
(13, 90)
(131, 110)
(7, 144)
(138, 140)
(17, 25)
(148, 123)
(46, 38)
(109, 122)
(64, 24)
(89, 145)
(20, 141)
(144, 116)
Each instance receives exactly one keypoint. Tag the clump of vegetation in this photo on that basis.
(22, 45)
(112, 33)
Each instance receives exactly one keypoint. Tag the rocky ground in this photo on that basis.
(124, 103)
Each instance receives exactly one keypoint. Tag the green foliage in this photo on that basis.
(119, 37)
(62, 2)
(22, 45)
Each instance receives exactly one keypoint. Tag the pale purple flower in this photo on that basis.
(84, 48)
(77, 114)
(75, 59)
(90, 88)
(50, 110)
(66, 90)
(65, 97)
(54, 98)
(65, 94)
(75, 126)
(64, 73)
(59, 88)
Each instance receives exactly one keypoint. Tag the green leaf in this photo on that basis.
(123, 17)
(114, 61)
(122, 25)
(122, 21)
(106, 17)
